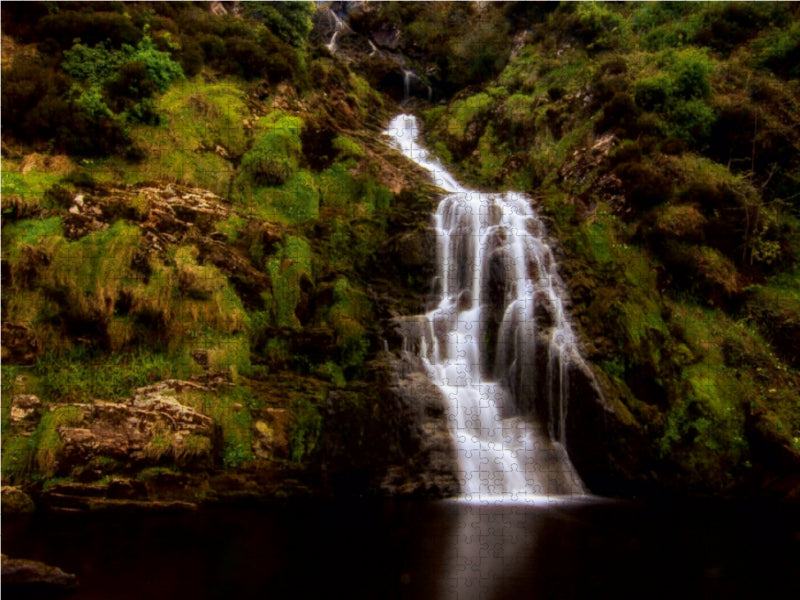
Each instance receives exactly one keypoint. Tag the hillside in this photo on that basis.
(206, 242)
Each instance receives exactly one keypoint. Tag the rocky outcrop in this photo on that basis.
(120, 494)
(33, 578)
(426, 441)
(421, 414)
(151, 425)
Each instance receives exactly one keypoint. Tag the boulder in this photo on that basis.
(424, 438)
(25, 409)
(31, 577)
(15, 502)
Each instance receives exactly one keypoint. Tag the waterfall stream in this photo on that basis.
(499, 342)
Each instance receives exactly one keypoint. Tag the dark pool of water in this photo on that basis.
(412, 549)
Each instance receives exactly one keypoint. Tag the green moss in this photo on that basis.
(29, 186)
(338, 188)
(231, 409)
(18, 455)
(47, 439)
(332, 372)
(228, 353)
(305, 430)
(231, 228)
(463, 112)
(79, 375)
(348, 148)
(347, 315)
(288, 269)
(276, 153)
(154, 473)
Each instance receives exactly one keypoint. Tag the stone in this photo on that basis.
(15, 502)
(24, 408)
(33, 577)
(272, 434)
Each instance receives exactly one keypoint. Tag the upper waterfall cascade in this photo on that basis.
(499, 342)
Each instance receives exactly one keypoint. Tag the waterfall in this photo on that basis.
(406, 84)
(338, 27)
(409, 77)
(499, 343)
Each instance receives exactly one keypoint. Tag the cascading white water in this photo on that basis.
(410, 77)
(499, 341)
(338, 26)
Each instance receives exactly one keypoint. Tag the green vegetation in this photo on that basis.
(659, 140)
(651, 132)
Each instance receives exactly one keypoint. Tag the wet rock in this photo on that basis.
(386, 36)
(15, 502)
(19, 344)
(424, 436)
(32, 578)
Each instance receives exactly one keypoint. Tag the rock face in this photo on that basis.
(141, 429)
(31, 577)
(425, 439)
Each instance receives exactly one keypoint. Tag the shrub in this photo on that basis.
(645, 186)
(691, 120)
(276, 154)
(652, 93)
(290, 21)
(779, 50)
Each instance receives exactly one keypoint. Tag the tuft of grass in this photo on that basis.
(288, 269)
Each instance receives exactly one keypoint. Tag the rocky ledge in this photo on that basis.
(34, 579)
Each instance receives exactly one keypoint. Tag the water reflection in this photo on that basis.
(414, 549)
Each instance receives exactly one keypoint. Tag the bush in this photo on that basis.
(645, 186)
(60, 29)
(619, 115)
(691, 120)
(779, 51)
(290, 21)
(276, 154)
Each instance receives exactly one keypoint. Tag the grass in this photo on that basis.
(80, 376)
(202, 133)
